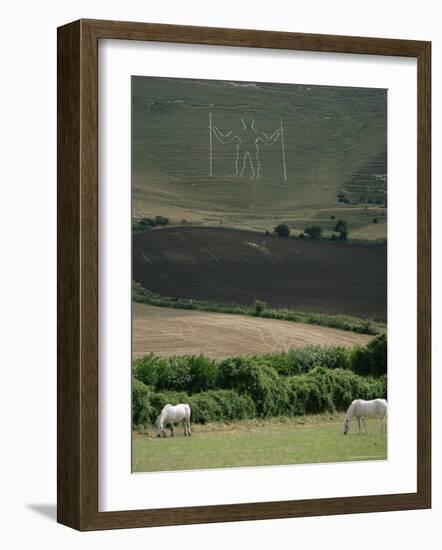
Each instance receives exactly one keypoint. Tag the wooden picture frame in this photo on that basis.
(78, 274)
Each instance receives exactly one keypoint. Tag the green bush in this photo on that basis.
(259, 307)
(307, 380)
(142, 410)
(313, 231)
(148, 369)
(220, 405)
(209, 406)
(341, 227)
(188, 373)
(145, 224)
(323, 390)
(246, 375)
(262, 393)
(203, 374)
(193, 374)
(371, 359)
(282, 230)
(312, 393)
(302, 360)
(161, 220)
(174, 375)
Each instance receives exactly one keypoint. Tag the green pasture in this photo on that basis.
(301, 440)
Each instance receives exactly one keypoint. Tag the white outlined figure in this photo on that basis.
(248, 143)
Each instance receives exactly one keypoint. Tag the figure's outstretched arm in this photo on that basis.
(270, 139)
(224, 138)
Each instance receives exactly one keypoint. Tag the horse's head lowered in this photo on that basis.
(159, 426)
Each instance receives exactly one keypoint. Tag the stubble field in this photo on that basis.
(167, 331)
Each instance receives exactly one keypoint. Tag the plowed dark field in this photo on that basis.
(236, 266)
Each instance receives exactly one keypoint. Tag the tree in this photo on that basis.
(313, 231)
(282, 230)
(161, 220)
(259, 307)
(342, 228)
(144, 224)
(342, 197)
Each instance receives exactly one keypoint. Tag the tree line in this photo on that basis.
(315, 231)
(301, 381)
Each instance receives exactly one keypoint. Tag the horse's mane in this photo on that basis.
(350, 409)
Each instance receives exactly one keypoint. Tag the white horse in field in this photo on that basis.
(363, 409)
(174, 414)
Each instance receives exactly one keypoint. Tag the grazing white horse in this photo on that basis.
(362, 409)
(174, 414)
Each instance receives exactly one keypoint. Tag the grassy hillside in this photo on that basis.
(368, 185)
(331, 134)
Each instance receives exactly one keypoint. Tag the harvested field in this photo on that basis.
(231, 266)
(166, 331)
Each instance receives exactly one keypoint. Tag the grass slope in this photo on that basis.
(331, 134)
(259, 443)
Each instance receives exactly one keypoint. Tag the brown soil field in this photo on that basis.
(238, 267)
(168, 331)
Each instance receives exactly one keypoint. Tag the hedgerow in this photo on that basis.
(147, 369)
(221, 405)
(188, 373)
(146, 224)
(208, 406)
(194, 374)
(249, 376)
(142, 411)
(260, 393)
(343, 322)
(322, 390)
(371, 359)
(149, 404)
(313, 379)
(302, 360)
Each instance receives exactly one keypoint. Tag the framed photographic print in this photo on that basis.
(243, 275)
